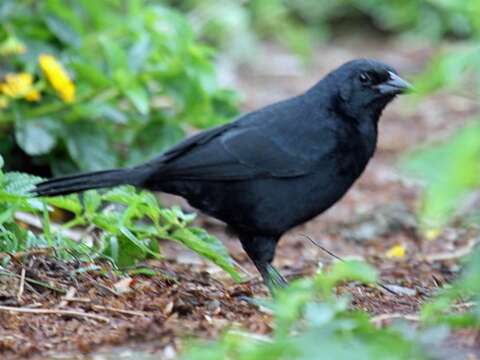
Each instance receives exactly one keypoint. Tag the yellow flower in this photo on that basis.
(17, 85)
(58, 77)
(33, 95)
(397, 251)
(431, 233)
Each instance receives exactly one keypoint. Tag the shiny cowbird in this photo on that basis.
(273, 168)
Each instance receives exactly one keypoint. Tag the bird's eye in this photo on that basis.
(364, 78)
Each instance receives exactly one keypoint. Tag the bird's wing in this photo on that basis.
(193, 142)
(233, 153)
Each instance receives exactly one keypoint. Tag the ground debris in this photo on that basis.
(86, 316)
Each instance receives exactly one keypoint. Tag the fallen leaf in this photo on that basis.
(397, 251)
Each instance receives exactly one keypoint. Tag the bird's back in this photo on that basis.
(293, 162)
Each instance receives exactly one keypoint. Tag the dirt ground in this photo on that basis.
(103, 316)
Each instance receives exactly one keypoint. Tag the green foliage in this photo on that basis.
(312, 323)
(137, 73)
(450, 70)
(432, 18)
(128, 225)
(449, 181)
(236, 26)
(442, 309)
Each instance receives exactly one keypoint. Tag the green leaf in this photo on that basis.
(63, 31)
(143, 271)
(343, 271)
(139, 243)
(19, 183)
(91, 201)
(138, 95)
(90, 74)
(90, 147)
(114, 54)
(449, 181)
(208, 246)
(70, 203)
(152, 140)
(138, 53)
(36, 136)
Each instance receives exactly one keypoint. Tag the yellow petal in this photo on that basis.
(397, 251)
(17, 84)
(432, 233)
(57, 77)
(33, 95)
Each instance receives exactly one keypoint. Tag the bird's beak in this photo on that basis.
(394, 85)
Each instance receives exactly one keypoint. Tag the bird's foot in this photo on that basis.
(272, 278)
(258, 303)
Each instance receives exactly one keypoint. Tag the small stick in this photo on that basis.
(322, 248)
(121, 311)
(77, 299)
(55, 312)
(103, 287)
(451, 255)
(21, 254)
(464, 305)
(33, 281)
(21, 287)
(377, 320)
(340, 259)
(70, 293)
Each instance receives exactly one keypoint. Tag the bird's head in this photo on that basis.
(365, 86)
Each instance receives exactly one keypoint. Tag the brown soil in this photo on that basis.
(189, 297)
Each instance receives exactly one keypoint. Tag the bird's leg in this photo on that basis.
(261, 249)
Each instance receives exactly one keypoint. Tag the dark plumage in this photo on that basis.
(273, 168)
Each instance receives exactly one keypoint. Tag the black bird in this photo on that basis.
(271, 169)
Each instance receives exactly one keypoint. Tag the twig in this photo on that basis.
(457, 253)
(377, 320)
(121, 311)
(21, 254)
(106, 288)
(55, 312)
(464, 305)
(70, 293)
(252, 336)
(322, 248)
(21, 287)
(77, 299)
(340, 259)
(33, 281)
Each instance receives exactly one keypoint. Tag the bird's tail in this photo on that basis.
(85, 181)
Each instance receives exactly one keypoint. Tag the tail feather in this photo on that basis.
(84, 181)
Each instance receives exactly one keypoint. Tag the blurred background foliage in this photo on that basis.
(137, 79)
(299, 24)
